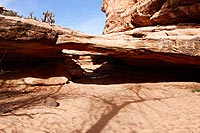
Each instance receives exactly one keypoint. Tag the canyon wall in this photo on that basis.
(123, 15)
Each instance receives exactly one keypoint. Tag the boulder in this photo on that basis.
(49, 101)
(128, 14)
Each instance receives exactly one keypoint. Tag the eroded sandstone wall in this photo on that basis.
(123, 15)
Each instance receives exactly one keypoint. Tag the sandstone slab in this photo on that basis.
(146, 46)
(24, 37)
(46, 82)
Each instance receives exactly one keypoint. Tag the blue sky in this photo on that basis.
(82, 15)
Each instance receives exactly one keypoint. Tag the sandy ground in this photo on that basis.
(103, 104)
(128, 108)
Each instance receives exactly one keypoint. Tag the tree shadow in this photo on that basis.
(103, 109)
(11, 101)
(120, 73)
(113, 105)
(117, 105)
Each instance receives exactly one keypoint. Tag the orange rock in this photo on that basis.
(49, 81)
(127, 14)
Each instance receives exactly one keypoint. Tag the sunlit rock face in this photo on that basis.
(176, 45)
(123, 15)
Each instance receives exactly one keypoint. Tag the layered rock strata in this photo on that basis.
(147, 46)
(28, 49)
(123, 15)
(25, 42)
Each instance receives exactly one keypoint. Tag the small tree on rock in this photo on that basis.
(34, 18)
(51, 18)
(30, 15)
(48, 17)
(45, 18)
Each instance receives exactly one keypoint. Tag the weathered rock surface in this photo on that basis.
(29, 37)
(34, 55)
(27, 44)
(147, 46)
(33, 42)
(51, 102)
(47, 82)
(128, 14)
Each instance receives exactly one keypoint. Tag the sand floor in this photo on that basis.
(167, 107)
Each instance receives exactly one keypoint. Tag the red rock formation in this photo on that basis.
(146, 46)
(28, 41)
(26, 44)
(128, 14)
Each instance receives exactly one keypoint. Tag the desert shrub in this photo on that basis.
(10, 13)
(196, 90)
(34, 18)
